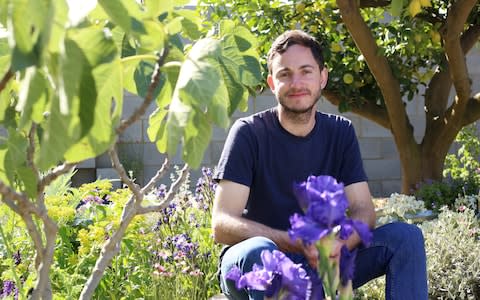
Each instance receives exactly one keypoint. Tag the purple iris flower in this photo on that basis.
(325, 204)
(347, 265)
(278, 276)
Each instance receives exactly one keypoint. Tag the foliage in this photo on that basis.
(465, 164)
(461, 173)
(381, 55)
(453, 264)
(398, 207)
(63, 73)
(166, 255)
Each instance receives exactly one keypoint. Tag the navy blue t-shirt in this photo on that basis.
(262, 155)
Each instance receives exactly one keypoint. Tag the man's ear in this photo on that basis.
(323, 77)
(270, 82)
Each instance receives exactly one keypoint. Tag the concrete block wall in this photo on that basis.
(379, 153)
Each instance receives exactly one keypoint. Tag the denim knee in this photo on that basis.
(243, 255)
(407, 237)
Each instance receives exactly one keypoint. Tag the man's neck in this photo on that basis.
(295, 123)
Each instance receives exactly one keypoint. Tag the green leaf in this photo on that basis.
(396, 7)
(191, 23)
(56, 142)
(32, 97)
(156, 8)
(108, 82)
(178, 117)
(197, 135)
(29, 180)
(125, 14)
(153, 39)
(96, 44)
(174, 26)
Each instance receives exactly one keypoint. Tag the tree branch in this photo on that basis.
(472, 113)
(169, 196)
(54, 174)
(374, 3)
(160, 174)
(378, 65)
(140, 111)
(112, 246)
(6, 77)
(367, 109)
(470, 38)
(456, 18)
(123, 174)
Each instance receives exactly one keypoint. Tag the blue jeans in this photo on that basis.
(397, 251)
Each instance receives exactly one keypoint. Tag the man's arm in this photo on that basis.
(229, 227)
(360, 207)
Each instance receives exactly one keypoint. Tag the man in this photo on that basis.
(266, 153)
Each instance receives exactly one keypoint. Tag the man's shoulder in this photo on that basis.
(334, 120)
(258, 119)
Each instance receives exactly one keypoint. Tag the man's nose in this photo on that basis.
(296, 80)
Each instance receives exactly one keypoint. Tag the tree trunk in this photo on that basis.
(422, 163)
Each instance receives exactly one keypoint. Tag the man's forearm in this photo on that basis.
(230, 230)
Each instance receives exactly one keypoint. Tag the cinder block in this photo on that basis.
(111, 174)
(87, 164)
(371, 129)
(391, 186)
(264, 101)
(219, 134)
(103, 161)
(375, 188)
(370, 148)
(216, 151)
(151, 156)
(378, 169)
(389, 149)
(133, 134)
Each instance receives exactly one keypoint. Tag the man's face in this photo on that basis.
(296, 79)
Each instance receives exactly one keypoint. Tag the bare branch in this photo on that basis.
(160, 174)
(140, 111)
(367, 110)
(6, 77)
(31, 152)
(43, 287)
(54, 174)
(169, 196)
(123, 174)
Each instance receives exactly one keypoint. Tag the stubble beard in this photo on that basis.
(298, 115)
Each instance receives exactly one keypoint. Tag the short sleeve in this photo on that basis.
(351, 168)
(237, 161)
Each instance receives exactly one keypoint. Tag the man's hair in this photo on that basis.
(295, 37)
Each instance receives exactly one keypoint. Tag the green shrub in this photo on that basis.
(452, 244)
(165, 255)
(461, 173)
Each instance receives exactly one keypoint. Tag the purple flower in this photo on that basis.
(278, 276)
(347, 265)
(360, 227)
(17, 257)
(8, 289)
(306, 229)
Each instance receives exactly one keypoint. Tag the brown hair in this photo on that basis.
(295, 37)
